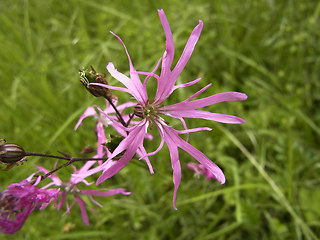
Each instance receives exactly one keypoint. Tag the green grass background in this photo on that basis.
(268, 49)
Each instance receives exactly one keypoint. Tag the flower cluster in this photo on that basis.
(115, 152)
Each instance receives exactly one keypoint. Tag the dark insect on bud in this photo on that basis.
(10, 153)
(87, 77)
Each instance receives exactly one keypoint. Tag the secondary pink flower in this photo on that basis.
(151, 112)
(18, 201)
(71, 188)
(199, 170)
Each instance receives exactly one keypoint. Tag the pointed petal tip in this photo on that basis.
(100, 180)
(222, 181)
(244, 96)
(240, 121)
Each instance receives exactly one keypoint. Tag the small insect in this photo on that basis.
(87, 77)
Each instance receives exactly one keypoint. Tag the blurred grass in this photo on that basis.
(268, 49)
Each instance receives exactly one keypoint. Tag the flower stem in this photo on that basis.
(68, 158)
(119, 116)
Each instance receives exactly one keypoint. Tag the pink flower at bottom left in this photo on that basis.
(18, 201)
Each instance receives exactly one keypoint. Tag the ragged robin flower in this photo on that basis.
(151, 112)
(18, 201)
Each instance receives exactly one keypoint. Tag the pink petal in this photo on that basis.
(62, 199)
(125, 105)
(105, 192)
(175, 167)
(83, 210)
(207, 115)
(137, 91)
(134, 84)
(130, 144)
(194, 130)
(95, 202)
(204, 102)
(187, 52)
(152, 74)
(57, 181)
(185, 127)
(101, 139)
(88, 112)
(174, 141)
(110, 87)
(115, 124)
(168, 78)
(169, 40)
(174, 154)
(155, 152)
(197, 93)
(142, 152)
(186, 84)
(200, 157)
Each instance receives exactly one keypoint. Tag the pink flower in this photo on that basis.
(199, 169)
(71, 187)
(18, 201)
(151, 112)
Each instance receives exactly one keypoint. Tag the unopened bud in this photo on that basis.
(10, 153)
(87, 77)
(87, 149)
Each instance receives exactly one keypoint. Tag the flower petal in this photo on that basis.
(90, 111)
(142, 152)
(204, 102)
(204, 160)
(57, 181)
(83, 210)
(134, 84)
(168, 78)
(172, 138)
(175, 163)
(187, 52)
(169, 40)
(104, 192)
(186, 84)
(207, 115)
(130, 144)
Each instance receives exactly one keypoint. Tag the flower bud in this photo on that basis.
(87, 77)
(11, 153)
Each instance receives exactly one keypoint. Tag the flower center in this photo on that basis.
(150, 111)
